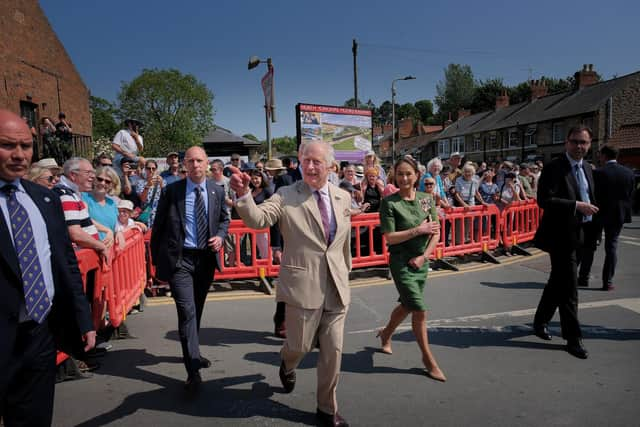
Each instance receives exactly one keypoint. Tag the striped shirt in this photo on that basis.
(75, 209)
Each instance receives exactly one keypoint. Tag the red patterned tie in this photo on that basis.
(324, 214)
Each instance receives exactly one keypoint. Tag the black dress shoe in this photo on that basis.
(575, 348)
(192, 385)
(334, 420)
(583, 283)
(542, 332)
(204, 362)
(288, 379)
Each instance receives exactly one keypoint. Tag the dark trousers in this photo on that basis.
(591, 235)
(189, 287)
(561, 293)
(28, 399)
(611, 233)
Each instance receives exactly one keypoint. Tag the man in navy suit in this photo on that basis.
(614, 185)
(566, 194)
(41, 300)
(191, 224)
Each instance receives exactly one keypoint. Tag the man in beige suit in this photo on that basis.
(314, 220)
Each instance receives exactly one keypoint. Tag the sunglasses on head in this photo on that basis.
(105, 180)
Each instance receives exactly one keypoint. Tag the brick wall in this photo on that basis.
(35, 67)
(626, 105)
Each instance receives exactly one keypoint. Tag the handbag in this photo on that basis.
(145, 215)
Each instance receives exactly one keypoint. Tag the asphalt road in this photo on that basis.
(480, 329)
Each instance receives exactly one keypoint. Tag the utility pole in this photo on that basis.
(354, 49)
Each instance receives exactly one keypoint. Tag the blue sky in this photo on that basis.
(310, 44)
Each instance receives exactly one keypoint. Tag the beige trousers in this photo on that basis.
(325, 326)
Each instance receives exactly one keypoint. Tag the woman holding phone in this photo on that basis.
(409, 222)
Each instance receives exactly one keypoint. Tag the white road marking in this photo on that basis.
(629, 237)
(632, 304)
(630, 243)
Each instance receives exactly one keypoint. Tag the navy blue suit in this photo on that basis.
(189, 272)
(614, 185)
(28, 349)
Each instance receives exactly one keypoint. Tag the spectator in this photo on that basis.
(64, 132)
(526, 177)
(130, 181)
(78, 177)
(42, 176)
(372, 161)
(102, 160)
(260, 166)
(236, 161)
(128, 143)
(390, 188)
(454, 161)
(350, 176)
(172, 174)
(372, 190)
(490, 194)
(260, 192)
(125, 222)
(149, 190)
(359, 175)
(217, 168)
(356, 207)
(50, 143)
(434, 167)
(291, 163)
(466, 196)
(334, 178)
(103, 210)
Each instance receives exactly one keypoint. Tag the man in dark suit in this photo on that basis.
(191, 224)
(41, 300)
(614, 185)
(566, 194)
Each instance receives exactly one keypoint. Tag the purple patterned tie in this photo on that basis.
(36, 299)
(324, 214)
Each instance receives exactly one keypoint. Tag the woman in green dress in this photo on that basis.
(409, 222)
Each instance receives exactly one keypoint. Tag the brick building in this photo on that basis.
(536, 129)
(38, 77)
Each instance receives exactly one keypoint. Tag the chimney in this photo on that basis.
(502, 100)
(585, 77)
(448, 121)
(538, 89)
(462, 113)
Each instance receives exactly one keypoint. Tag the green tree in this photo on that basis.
(382, 115)
(283, 145)
(520, 93)
(456, 90)
(485, 93)
(425, 110)
(177, 109)
(251, 137)
(351, 102)
(103, 117)
(407, 111)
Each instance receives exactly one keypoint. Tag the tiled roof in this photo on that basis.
(222, 135)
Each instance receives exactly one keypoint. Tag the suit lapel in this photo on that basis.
(8, 251)
(572, 181)
(212, 198)
(336, 202)
(181, 194)
(588, 172)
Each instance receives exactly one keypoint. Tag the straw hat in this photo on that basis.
(125, 204)
(48, 163)
(274, 165)
(360, 171)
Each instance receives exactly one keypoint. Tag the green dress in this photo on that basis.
(398, 215)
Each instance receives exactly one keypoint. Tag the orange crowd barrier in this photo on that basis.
(465, 231)
(520, 221)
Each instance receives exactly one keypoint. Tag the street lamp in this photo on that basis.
(393, 115)
(269, 96)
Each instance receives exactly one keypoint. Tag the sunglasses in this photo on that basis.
(429, 183)
(105, 180)
(235, 160)
(106, 164)
(150, 168)
(49, 178)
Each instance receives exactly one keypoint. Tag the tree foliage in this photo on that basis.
(456, 90)
(177, 109)
(425, 110)
(485, 93)
(281, 145)
(103, 117)
(351, 102)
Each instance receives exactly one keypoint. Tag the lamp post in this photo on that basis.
(393, 115)
(269, 96)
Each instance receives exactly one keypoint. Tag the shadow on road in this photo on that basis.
(226, 337)
(217, 398)
(514, 285)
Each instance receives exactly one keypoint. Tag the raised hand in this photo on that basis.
(239, 181)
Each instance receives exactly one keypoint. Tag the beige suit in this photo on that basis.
(314, 276)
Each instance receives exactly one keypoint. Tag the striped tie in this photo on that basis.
(202, 226)
(36, 299)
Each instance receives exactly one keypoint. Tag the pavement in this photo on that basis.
(479, 325)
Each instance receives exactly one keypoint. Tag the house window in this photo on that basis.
(530, 136)
(588, 122)
(457, 144)
(514, 139)
(475, 146)
(443, 148)
(493, 142)
(558, 133)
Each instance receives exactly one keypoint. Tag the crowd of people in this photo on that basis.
(84, 203)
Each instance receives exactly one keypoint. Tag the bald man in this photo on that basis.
(41, 287)
(191, 224)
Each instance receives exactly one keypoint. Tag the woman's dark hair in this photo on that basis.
(263, 182)
(411, 163)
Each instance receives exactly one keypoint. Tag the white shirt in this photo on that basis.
(124, 139)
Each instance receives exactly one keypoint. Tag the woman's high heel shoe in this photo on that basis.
(384, 347)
